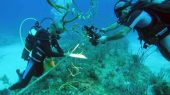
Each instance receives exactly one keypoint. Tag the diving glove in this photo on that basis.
(102, 39)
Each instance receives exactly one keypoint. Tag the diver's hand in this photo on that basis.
(67, 54)
(102, 39)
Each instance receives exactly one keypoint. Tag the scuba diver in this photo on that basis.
(151, 20)
(39, 42)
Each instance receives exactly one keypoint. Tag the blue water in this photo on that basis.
(13, 12)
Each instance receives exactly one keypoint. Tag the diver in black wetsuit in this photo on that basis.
(39, 42)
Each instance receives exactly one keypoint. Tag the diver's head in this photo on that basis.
(59, 26)
(55, 29)
(122, 8)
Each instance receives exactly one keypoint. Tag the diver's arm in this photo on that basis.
(49, 52)
(59, 49)
(111, 27)
(56, 45)
(119, 34)
(135, 18)
(123, 29)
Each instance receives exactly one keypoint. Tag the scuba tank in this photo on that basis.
(30, 40)
(31, 37)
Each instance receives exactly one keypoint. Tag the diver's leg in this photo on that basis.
(164, 47)
(39, 69)
(27, 75)
(19, 74)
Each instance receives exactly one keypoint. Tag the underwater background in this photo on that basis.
(114, 68)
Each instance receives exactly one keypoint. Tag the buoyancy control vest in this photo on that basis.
(30, 41)
(159, 28)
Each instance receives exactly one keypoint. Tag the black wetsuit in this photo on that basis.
(41, 50)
